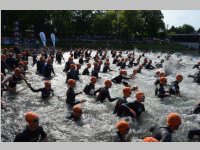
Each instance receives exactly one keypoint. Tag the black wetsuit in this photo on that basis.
(105, 69)
(163, 134)
(196, 66)
(67, 66)
(48, 68)
(45, 93)
(95, 73)
(34, 55)
(103, 94)
(71, 97)
(123, 65)
(72, 74)
(159, 65)
(11, 63)
(196, 109)
(3, 67)
(119, 103)
(59, 58)
(89, 89)
(121, 138)
(86, 71)
(40, 66)
(136, 106)
(160, 91)
(149, 66)
(29, 136)
(81, 61)
(119, 79)
(14, 81)
(193, 133)
(174, 88)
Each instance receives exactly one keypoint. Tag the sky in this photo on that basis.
(180, 17)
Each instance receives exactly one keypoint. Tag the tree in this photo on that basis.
(187, 29)
(153, 22)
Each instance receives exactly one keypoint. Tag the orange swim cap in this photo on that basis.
(163, 80)
(31, 116)
(179, 77)
(72, 66)
(47, 83)
(173, 120)
(108, 83)
(77, 109)
(93, 79)
(127, 91)
(122, 126)
(162, 74)
(123, 72)
(17, 71)
(71, 82)
(150, 139)
(139, 95)
(78, 66)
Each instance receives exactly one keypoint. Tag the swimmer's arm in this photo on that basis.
(165, 137)
(97, 91)
(8, 79)
(111, 99)
(34, 90)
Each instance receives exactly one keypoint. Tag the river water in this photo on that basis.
(98, 121)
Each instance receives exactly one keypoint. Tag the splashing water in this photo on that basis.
(98, 121)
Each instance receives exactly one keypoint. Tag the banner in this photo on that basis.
(43, 38)
(53, 39)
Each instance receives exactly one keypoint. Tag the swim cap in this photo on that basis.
(70, 59)
(162, 74)
(100, 61)
(179, 77)
(139, 95)
(88, 65)
(25, 63)
(127, 91)
(47, 83)
(163, 80)
(108, 83)
(150, 139)
(78, 66)
(96, 64)
(3, 57)
(71, 82)
(123, 72)
(72, 66)
(173, 120)
(77, 109)
(17, 71)
(31, 116)
(93, 79)
(49, 60)
(158, 72)
(122, 126)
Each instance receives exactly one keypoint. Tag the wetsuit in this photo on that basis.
(193, 133)
(71, 97)
(48, 68)
(67, 66)
(196, 66)
(160, 91)
(119, 103)
(139, 70)
(59, 58)
(106, 68)
(115, 60)
(11, 63)
(40, 66)
(31, 136)
(149, 66)
(14, 81)
(174, 88)
(3, 67)
(160, 65)
(103, 94)
(72, 74)
(81, 61)
(89, 89)
(122, 138)
(86, 71)
(34, 55)
(123, 65)
(124, 109)
(45, 92)
(119, 79)
(196, 109)
(71, 117)
(95, 73)
(163, 134)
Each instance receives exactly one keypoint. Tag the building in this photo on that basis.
(190, 40)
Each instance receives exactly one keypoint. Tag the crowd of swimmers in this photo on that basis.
(16, 64)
